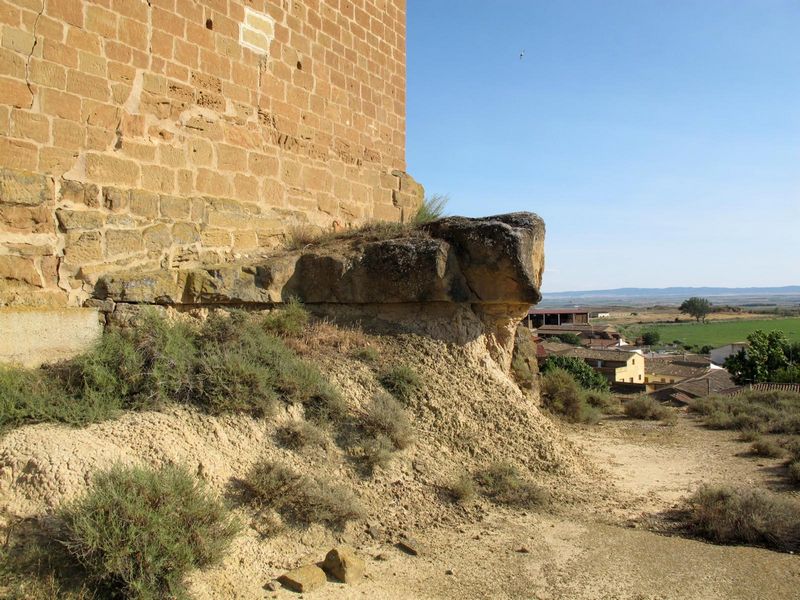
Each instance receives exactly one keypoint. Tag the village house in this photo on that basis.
(719, 355)
(591, 336)
(537, 317)
(664, 370)
(713, 381)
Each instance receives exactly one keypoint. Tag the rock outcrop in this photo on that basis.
(472, 277)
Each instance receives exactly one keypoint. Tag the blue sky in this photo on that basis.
(659, 140)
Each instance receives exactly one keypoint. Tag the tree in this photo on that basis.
(651, 338)
(585, 375)
(569, 338)
(766, 357)
(696, 307)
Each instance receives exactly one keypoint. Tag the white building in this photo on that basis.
(718, 355)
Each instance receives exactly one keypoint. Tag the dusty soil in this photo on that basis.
(601, 551)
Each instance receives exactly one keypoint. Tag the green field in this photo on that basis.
(720, 333)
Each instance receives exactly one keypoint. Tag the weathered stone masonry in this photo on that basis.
(170, 133)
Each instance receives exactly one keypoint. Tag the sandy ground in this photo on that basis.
(603, 551)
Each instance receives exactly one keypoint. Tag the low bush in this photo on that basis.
(647, 408)
(463, 488)
(386, 416)
(502, 484)
(750, 435)
(603, 401)
(303, 499)
(289, 320)
(751, 516)
(402, 381)
(767, 449)
(562, 395)
(233, 362)
(140, 531)
(297, 435)
(771, 411)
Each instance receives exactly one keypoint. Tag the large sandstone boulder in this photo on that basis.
(457, 278)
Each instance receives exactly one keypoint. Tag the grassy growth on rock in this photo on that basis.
(367, 354)
(139, 531)
(502, 484)
(773, 412)
(745, 516)
(431, 209)
(562, 395)
(289, 320)
(648, 409)
(303, 499)
(402, 381)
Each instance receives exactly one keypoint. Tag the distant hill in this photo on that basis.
(670, 292)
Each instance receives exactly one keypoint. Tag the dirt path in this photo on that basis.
(594, 554)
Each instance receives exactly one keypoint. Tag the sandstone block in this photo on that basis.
(79, 219)
(81, 247)
(144, 204)
(304, 579)
(123, 242)
(343, 564)
(185, 233)
(20, 187)
(16, 270)
(104, 168)
(115, 199)
(173, 207)
(157, 237)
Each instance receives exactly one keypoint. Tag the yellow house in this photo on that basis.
(618, 366)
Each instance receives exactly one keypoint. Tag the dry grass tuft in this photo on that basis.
(298, 435)
(303, 499)
(502, 484)
(324, 335)
(647, 408)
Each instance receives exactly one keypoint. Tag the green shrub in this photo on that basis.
(289, 320)
(750, 435)
(297, 435)
(647, 408)
(35, 396)
(569, 338)
(502, 484)
(562, 395)
(767, 449)
(736, 515)
(402, 381)
(141, 531)
(386, 416)
(584, 375)
(431, 209)
(463, 488)
(303, 499)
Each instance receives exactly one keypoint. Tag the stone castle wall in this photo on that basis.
(166, 133)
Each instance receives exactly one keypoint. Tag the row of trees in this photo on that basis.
(769, 357)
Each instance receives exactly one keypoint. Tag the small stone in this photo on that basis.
(272, 586)
(410, 546)
(523, 550)
(303, 579)
(381, 556)
(375, 532)
(449, 572)
(343, 564)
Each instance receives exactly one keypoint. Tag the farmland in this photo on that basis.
(718, 333)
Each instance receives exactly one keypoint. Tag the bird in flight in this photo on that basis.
(521, 54)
